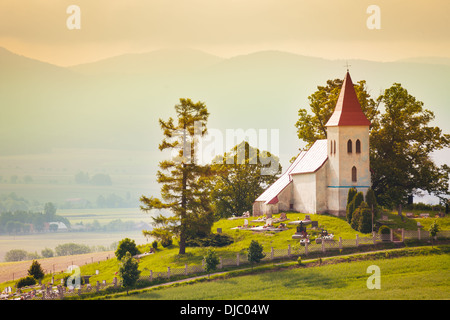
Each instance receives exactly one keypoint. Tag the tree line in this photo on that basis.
(27, 221)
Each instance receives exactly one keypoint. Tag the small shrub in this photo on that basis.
(255, 252)
(299, 261)
(211, 261)
(27, 281)
(213, 240)
(155, 244)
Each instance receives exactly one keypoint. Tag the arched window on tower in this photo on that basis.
(349, 146)
(331, 147)
(334, 145)
(358, 146)
(354, 174)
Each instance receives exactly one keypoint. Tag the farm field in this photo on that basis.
(19, 269)
(405, 278)
(104, 216)
(37, 242)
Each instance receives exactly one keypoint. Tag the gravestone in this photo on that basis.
(314, 224)
(219, 230)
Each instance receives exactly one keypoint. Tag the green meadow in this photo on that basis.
(412, 277)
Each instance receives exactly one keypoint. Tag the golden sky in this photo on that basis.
(333, 29)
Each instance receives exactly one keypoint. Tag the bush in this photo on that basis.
(27, 281)
(213, 240)
(255, 252)
(126, 245)
(155, 244)
(166, 242)
(211, 261)
(365, 221)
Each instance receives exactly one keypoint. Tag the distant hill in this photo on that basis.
(161, 62)
(429, 60)
(115, 103)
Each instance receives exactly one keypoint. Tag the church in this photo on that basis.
(318, 180)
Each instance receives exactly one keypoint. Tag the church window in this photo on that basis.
(331, 148)
(358, 146)
(349, 146)
(354, 177)
(334, 146)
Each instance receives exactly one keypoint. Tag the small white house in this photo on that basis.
(319, 179)
(61, 225)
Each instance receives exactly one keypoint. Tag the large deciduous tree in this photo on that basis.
(183, 180)
(401, 148)
(311, 126)
(401, 140)
(241, 175)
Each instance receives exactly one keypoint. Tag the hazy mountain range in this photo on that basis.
(115, 103)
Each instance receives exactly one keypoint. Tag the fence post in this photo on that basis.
(237, 259)
(340, 243)
(374, 237)
(185, 269)
(220, 263)
(151, 275)
(97, 287)
(392, 235)
(306, 247)
(168, 272)
(115, 282)
(289, 250)
(403, 235)
(323, 245)
(357, 240)
(418, 233)
(271, 253)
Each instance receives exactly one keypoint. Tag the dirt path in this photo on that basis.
(16, 270)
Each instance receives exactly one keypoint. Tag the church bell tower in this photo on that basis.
(348, 149)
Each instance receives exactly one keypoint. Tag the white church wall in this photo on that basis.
(304, 192)
(321, 189)
(284, 198)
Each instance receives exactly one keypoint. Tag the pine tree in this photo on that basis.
(36, 270)
(255, 252)
(183, 180)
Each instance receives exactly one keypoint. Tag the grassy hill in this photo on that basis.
(168, 257)
(424, 276)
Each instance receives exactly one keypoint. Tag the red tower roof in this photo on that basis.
(348, 110)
